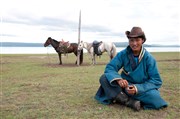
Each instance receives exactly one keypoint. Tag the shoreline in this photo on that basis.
(50, 50)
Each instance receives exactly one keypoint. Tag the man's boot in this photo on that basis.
(135, 104)
(123, 99)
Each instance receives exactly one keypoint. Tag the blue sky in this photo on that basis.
(103, 20)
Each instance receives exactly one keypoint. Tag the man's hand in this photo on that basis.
(123, 83)
(131, 90)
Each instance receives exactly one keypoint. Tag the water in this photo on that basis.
(45, 50)
(157, 49)
(27, 50)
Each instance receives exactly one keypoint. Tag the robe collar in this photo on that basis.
(131, 57)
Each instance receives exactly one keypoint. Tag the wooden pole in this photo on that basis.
(79, 31)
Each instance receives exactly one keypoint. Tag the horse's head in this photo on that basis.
(48, 42)
(81, 45)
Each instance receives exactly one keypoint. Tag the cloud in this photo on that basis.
(59, 24)
(102, 19)
(9, 35)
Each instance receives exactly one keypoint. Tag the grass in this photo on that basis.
(35, 86)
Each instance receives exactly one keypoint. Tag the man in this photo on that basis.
(137, 85)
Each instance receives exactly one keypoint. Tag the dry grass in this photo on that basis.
(35, 86)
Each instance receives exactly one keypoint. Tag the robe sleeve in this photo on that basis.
(113, 67)
(154, 80)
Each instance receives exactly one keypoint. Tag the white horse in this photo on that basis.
(108, 47)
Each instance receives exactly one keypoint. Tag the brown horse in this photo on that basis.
(73, 48)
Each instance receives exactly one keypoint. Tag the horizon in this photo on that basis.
(9, 44)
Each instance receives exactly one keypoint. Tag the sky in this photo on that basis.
(102, 20)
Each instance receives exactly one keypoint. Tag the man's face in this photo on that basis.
(136, 44)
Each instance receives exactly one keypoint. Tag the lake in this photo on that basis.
(45, 50)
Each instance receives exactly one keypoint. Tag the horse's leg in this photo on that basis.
(110, 54)
(92, 56)
(94, 59)
(76, 53)
(60, 62)
(81, 56)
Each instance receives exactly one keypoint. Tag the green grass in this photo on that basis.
(35, 86)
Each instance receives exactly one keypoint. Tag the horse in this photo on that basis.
(73, 48)
(108, 47)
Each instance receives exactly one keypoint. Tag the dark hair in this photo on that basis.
(141, 37)
(137, 37)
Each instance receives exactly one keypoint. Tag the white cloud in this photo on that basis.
(35, 20)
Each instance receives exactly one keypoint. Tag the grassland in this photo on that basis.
(35, 87)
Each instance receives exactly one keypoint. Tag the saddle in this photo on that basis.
(96, 45)
(64, 46)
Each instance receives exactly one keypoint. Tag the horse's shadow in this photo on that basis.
(72, 65)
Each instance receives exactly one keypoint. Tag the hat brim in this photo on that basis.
(135, 36)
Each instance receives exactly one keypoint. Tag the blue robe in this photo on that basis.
(144, 75)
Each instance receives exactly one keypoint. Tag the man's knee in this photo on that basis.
(103, 79)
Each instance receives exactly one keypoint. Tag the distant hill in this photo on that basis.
(118, 44)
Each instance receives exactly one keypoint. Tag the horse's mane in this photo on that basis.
(55, 41)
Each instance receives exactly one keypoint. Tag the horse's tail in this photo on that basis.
(113, 51)
(81, 57)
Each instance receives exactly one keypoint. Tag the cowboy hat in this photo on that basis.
(136, 32)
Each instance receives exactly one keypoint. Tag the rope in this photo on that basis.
(48, 56)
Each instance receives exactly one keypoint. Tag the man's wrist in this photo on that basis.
(135, 89)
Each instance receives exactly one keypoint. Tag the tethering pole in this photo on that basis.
(79, 31)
